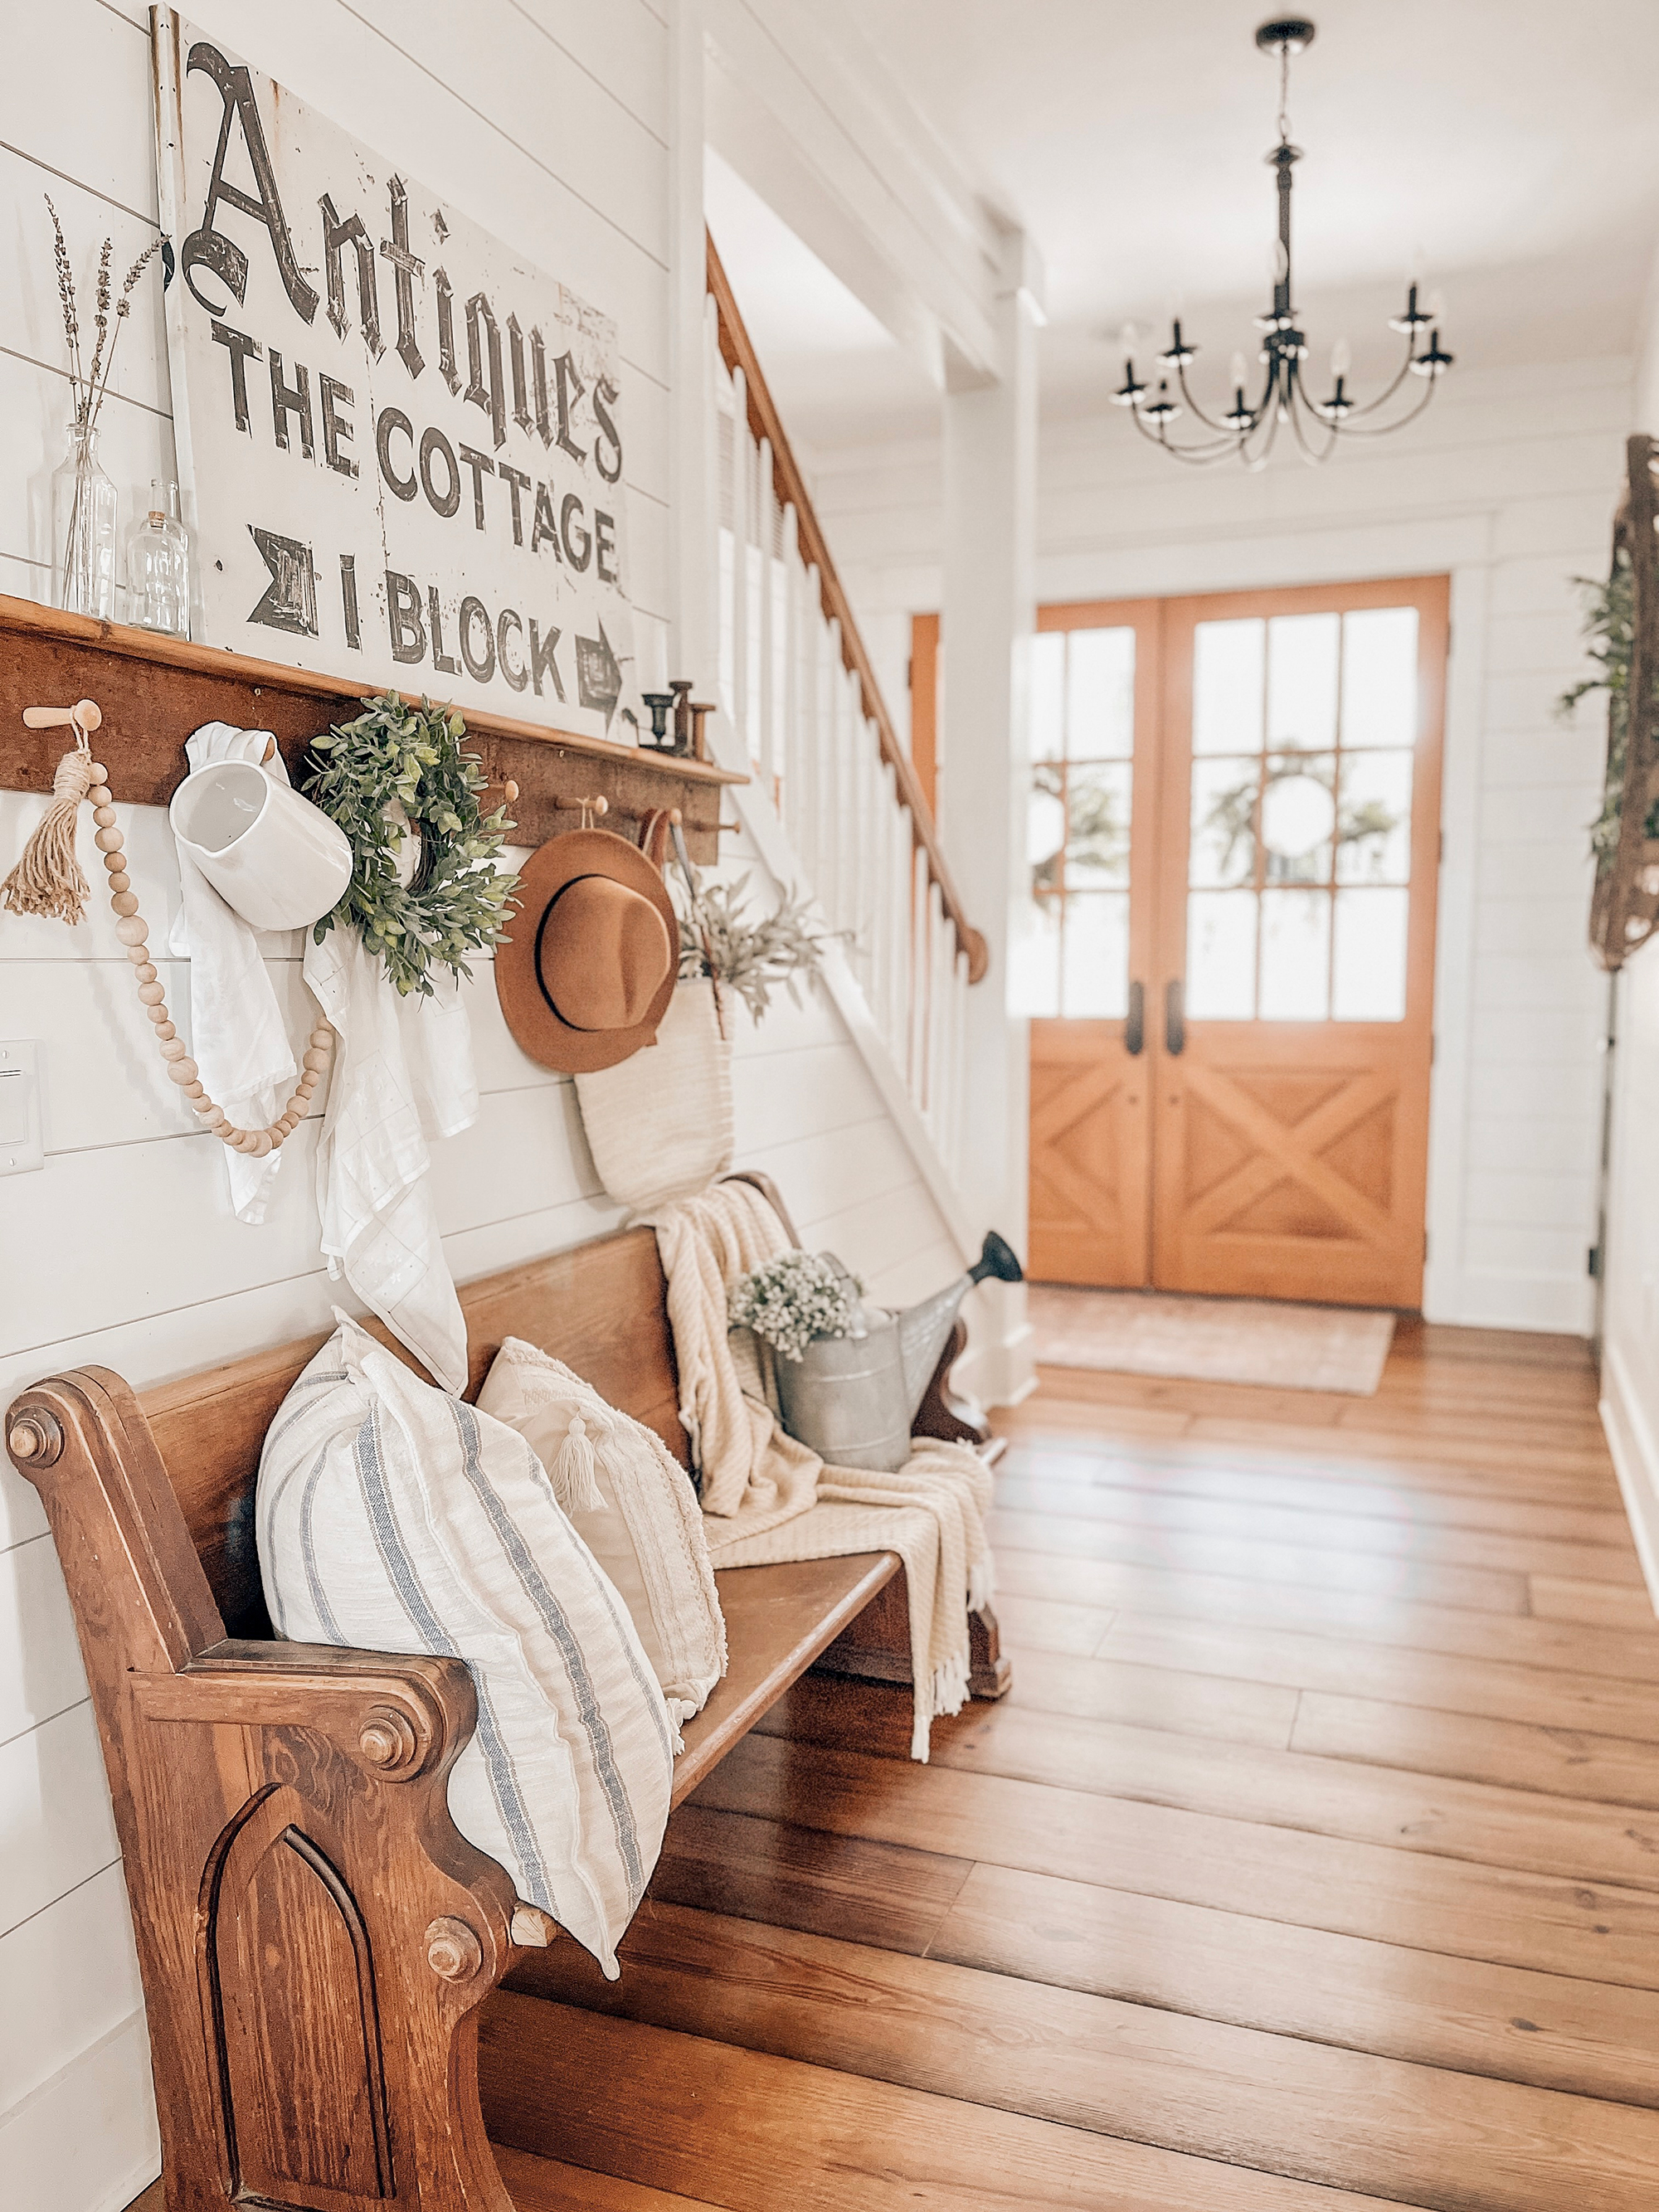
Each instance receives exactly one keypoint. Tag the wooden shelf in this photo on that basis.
(156, 691)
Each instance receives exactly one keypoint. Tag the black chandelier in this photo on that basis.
(1248, 428)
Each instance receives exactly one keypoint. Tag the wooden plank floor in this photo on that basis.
(1312, 1865)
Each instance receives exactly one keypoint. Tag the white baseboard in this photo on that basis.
(997, 1368)
(1636, 1462)
(997, 1374)
(1556, 1305)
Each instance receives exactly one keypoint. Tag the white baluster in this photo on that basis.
(714, 379)
(869, 852)
(793, 713)
(742, 456)
(955, 1071)
(832, 879)
(897, 922)
(765, 569)
(941, 942)
(881, 856)
(916, 1055)
(815, 846)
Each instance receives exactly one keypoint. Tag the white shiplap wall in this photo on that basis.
(1508, 483)
(548, 123)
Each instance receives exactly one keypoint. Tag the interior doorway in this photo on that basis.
(1228, 953)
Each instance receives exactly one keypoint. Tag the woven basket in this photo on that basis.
(660, 1125)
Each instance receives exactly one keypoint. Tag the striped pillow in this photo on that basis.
(632, 1503)
(393, 1517)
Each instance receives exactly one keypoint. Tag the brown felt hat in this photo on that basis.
(589, 968)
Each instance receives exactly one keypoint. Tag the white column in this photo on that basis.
(692, 639)
(988, 616)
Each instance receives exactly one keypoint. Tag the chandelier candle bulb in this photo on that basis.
(1247, 429)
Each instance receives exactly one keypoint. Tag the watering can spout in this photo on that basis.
(923, 1329)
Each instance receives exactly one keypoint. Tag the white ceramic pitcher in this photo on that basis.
(273, 856)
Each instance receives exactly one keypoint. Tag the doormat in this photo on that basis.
(1284, 1347)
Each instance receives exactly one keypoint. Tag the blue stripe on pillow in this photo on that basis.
(534, 1584)
(400, 1568)
(270, 1495)
(319, 1604)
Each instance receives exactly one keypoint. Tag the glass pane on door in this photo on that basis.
(1069, 954)
(1299, 846)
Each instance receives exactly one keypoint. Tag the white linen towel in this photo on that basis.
(403, 1073)
(236, 1035)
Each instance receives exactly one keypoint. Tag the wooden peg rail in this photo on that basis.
(154, 690)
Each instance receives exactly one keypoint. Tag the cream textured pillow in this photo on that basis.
(394, 1517)
(633, 1505)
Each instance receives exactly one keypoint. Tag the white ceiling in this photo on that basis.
(1509, 149)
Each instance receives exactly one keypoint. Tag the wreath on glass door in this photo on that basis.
(397, 772)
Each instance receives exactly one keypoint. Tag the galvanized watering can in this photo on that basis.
(853, 1398)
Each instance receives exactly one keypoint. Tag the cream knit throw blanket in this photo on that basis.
(767, 1497)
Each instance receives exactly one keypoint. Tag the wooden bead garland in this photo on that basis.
(134, 934)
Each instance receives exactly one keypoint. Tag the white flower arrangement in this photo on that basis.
(793, 1298)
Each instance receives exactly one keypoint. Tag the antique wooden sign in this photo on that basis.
(400, 446)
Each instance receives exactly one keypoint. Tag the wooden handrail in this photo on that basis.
(737, 352)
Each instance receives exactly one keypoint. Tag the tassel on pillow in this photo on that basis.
(572, 1474)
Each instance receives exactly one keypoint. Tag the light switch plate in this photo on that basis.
(21, 1150)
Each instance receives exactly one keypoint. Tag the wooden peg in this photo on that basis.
(86, 714)
(600, 805)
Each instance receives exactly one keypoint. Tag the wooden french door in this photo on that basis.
(1229, 954)
(1084, 952)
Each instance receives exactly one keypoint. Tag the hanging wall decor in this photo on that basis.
(425, 890)
(47, 880)
(400, 445)
(1623, 626)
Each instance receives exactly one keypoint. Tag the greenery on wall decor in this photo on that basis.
(1609, 609)
(718, 938)
(1232, 818)
(398, 770)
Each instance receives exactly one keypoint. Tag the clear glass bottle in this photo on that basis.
(158, 564)
(83, 528)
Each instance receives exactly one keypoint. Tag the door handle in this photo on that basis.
(1134, 1028)
(1174, 1018)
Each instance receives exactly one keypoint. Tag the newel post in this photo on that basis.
(989, 615)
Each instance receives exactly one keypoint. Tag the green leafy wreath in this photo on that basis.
(395, 755)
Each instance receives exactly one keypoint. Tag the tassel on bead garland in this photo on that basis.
(47, 880)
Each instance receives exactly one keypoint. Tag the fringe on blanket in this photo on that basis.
(767, 1497)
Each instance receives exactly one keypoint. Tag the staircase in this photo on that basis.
(834, 805)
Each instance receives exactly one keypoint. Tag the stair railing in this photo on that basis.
(797, 686)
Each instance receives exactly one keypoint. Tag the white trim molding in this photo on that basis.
(1635, 1452)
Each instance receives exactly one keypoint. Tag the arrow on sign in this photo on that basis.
(599, 675)
(290, 600)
